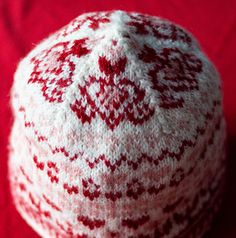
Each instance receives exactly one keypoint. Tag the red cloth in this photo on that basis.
(23, 23)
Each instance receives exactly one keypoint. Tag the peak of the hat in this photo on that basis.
(102, 24)
(118, 12)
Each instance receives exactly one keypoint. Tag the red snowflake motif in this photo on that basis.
(143, 25)
(53, 68)
(174, 73)
(94, 21)
(112, 101)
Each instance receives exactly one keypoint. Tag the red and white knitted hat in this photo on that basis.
(118, 131)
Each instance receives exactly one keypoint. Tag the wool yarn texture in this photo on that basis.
(118, 131)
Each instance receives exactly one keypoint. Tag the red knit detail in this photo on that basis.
(94, 22)
(171, 207)
(143, 25)
(180, 71)
(112, 97)
(25, 175)
(90, 189)
(54, 88)
(135, 189)
(134, 224)
(70, 189)
(51, 203)
(91, 223)
(39, 165)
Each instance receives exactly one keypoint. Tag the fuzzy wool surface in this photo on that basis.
(118, 131)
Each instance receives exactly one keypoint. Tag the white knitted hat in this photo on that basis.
(118, 131)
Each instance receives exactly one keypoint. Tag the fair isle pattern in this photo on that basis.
(118, 131)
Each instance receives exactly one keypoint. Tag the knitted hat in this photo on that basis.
(118, 131)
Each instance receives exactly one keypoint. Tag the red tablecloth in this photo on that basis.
(23, 23)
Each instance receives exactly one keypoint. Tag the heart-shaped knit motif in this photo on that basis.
(113, 101)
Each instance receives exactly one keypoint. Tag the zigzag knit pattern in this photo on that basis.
(118, 131)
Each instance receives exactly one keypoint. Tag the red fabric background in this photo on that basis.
(23, 23)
